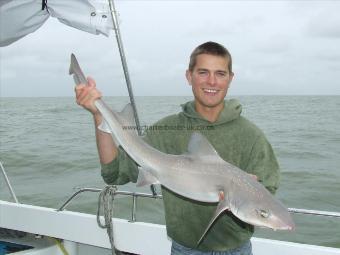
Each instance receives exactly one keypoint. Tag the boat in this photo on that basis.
(34, 230)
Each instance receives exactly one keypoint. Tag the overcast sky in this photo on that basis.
(278, 47)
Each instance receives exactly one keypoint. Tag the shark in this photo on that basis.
(199, 174)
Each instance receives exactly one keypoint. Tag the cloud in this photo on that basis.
(330, 57)
(325, 23)
(275, 45)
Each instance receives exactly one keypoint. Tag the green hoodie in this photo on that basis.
(237, 141)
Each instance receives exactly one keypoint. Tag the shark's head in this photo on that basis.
(264, 211)
(274, 217)
(256, 207)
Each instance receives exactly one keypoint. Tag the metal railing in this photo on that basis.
(314, 212)
(8, 183)
(135, 195)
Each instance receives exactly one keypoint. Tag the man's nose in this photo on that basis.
(212, 80)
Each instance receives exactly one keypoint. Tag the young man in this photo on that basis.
(236, 140)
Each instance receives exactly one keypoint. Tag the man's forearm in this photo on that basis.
(107, 150)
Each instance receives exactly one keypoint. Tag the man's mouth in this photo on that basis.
(210, 91)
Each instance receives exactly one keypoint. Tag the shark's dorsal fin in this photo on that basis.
(127, 115)
(199, 146)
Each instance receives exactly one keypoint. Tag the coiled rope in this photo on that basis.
(105, 203)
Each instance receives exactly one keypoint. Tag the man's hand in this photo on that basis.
(87, 94)
(221, 193)
(254, 177)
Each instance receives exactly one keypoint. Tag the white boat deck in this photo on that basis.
(82, 235)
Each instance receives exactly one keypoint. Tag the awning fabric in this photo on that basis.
(21, 17)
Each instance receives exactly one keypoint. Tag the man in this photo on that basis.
(236, 140)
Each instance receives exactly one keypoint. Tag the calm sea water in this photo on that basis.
(48, 149)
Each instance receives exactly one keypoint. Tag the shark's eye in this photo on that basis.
(263, 213)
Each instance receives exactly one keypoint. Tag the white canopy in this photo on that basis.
(21, 17)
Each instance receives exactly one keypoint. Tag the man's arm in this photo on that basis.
(116, 166)
(107, 149)
(86, 95)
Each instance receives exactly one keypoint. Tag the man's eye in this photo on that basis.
(221, 74)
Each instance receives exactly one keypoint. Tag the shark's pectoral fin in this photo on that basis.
(222, 206)
(145, 178)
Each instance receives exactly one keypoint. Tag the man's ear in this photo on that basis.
(188, 76)
(231, 75)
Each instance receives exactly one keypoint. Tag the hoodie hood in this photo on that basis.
(231, 111)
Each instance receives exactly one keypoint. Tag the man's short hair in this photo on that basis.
(211, 48)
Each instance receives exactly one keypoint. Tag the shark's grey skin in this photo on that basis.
(200, 174)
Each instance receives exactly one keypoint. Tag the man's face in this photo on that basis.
(210, 80)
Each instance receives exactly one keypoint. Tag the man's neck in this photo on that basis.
(211, 114)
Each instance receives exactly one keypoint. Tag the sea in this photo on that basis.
(47, 146)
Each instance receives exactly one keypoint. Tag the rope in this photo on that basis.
(105, 201)
(60, 245)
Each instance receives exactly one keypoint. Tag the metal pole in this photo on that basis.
(124, 63)
(126, 71)
(134, 207)
(314, 212)
(8, 183)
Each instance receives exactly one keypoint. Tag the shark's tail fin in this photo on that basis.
(75, 69)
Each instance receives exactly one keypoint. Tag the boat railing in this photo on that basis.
(136, 195)
(314, 212)
(9, 186)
